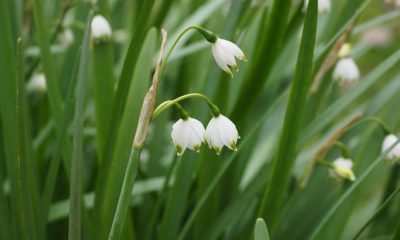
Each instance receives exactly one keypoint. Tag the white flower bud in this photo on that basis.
(221, 132)
(342, 169)
(389, 140)
(37, 83)
(225, 52)
(187, 133)
(324, 6)
(346, 72)
(100, 28)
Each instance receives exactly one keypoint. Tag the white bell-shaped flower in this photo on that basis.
(324, 6)
(100, 28)
(187, 133)
(389, 140)
(221, 132)
(66, 37)
(342, 169)
(346, 72)
(225, 52)
(37, 83)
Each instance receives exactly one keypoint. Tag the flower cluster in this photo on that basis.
(190, 133)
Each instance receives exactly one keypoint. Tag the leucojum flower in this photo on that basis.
(187, 132)
(100, 29)
(221, 132)
(346, 71)
(37, 83)
(394, 154)
(342, 169)
(324, 6)
(225, 52)
(66, 37)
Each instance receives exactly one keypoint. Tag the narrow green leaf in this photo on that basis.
(260, 230)
(125, 195)
(103, 88)
(14, 127)
(381, 208)
(140, 82)
(74, 230)
(283, 162)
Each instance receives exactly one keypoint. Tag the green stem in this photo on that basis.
(163, 106)
(125, 195)
(209, 36)
(373, 119)
(343, 148)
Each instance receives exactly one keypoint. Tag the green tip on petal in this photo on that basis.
(197, 148)
(217, 151)
(233, 146)
(179, 150)
(244, 58)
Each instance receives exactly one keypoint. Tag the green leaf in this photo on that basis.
(106, 204)
(14, 128)
(287, 150)
(74, 230)
(260, 230)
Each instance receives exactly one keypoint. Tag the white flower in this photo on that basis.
(221, 132)
(187, 133)
(324, 6)
(342, 168)
(100, 28)
(346, 72)
(225, 52)
(66, 37)
(37, 83)
(389, 140)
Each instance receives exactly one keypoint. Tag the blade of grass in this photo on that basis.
(14, 129)
(283, 162)
(347, 194)
(74, 227)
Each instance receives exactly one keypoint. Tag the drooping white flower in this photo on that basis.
(66, 37)
(324, 6)
(346, 72)
(100, 28)
(225, 52)
(37, 83)
(187, 133)
(342, 169)
(221, 132)
(389, 140)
